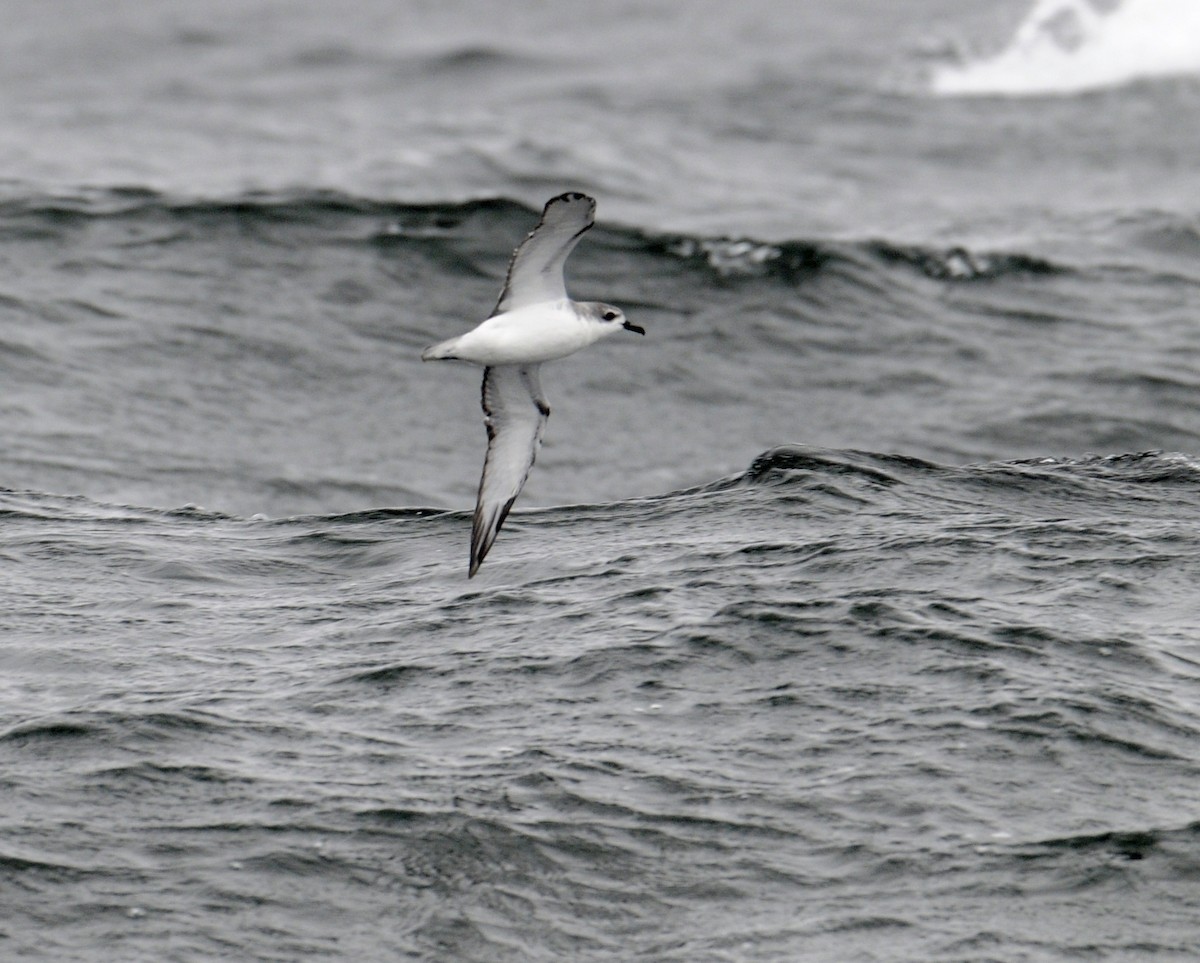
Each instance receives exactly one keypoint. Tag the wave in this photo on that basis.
(487, 227)
(1129, 844)
(792, 466)
(1070, 46)
(791, 463)
(1151, 484)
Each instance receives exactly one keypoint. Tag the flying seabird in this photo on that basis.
(534, 321)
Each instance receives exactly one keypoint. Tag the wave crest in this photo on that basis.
(1070, 46)
(489, 228)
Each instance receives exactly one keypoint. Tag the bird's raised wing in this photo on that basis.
(515, 414)
(535, 273)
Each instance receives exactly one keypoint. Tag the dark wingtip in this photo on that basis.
(478, 551)
(570, 196)
(476, 558)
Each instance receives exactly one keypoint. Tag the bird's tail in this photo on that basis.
(442, 351)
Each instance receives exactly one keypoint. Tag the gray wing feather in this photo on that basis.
(515, 414)
(535, 273)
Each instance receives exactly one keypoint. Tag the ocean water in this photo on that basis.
(850, 615)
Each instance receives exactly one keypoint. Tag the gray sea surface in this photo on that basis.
(850, 615)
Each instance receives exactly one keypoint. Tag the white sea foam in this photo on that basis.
(1069, 46)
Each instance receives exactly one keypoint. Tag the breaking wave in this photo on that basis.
(1071, 46)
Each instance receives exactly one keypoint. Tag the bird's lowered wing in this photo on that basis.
(515, 414)
(535, 273)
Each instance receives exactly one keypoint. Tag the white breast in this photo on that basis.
(529, 335)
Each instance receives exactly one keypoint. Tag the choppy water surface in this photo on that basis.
(849, 615)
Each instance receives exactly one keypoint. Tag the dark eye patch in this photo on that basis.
(610, 315)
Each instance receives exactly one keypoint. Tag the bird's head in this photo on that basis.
(613, 318)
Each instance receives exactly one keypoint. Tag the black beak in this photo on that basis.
(630, 326)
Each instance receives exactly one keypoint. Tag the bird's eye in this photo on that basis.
(610, 315)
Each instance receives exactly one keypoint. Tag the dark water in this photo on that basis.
(849, 615)
(841, 706)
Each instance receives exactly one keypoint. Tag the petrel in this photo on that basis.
(534, 321)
